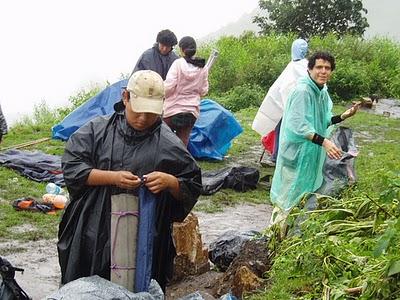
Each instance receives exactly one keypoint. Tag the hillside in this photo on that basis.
(382, 17)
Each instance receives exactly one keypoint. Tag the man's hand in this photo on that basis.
(126, 180)
(331, 150)
(157, 182)
(350, 112)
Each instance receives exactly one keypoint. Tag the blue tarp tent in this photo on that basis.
(213, 132)
(210, 138)
(99, 105)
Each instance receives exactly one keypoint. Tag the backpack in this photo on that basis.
(9, 288)
(242, 179)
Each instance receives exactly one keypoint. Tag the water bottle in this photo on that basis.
(54, 189)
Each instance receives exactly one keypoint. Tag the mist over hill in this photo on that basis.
(244, 23)
(382, 17)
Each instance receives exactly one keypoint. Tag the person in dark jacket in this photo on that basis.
(113, 155)
(3, 125)
(160, 57)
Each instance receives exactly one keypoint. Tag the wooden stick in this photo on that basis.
(354, 290)
(26, 144)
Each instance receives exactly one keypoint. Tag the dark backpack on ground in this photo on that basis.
(240, 179)
(9, 288)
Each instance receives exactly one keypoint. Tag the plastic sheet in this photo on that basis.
(35, 165)
(95, 287)
(224, 250)
(100, 105)
(213, 132)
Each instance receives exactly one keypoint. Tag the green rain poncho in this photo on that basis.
(299, 163)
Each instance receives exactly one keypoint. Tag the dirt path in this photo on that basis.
(40, 261)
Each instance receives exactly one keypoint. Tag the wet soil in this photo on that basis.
(40, 261)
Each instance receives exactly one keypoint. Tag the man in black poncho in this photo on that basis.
(112, 155)
(160, 57)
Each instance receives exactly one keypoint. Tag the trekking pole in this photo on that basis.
(26, 144)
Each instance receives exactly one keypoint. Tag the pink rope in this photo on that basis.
(120, 214)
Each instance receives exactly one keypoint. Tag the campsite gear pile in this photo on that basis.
(9, 288)
(31, 204)
(55, 196)
(53, 200)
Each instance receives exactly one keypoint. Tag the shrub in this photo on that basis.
(364, 67)
(42, 116)
(242, 96)
(80, 97)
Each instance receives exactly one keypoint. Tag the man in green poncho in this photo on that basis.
(303, 146)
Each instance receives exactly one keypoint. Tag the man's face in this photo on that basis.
(164, 49)
(139, 121)
(321, 72)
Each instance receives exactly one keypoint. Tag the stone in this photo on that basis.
(191, 257)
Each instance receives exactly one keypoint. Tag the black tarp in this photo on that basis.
(338, 173)
(35, 165)
(239, 178)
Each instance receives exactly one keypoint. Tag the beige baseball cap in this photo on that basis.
(146, 89)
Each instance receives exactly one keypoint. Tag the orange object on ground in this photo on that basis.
(58, 201)
(30, 204)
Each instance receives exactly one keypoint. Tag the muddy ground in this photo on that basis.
(387, 107)
(42, 273)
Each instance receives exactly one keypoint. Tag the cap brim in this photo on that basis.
(146, 105)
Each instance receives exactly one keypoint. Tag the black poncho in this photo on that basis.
(108, 143)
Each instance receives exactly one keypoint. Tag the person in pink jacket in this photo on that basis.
(186, 83)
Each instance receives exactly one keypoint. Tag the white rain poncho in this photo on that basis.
(271, 109)
(299, 164)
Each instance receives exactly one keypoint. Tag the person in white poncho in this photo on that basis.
(271, 110)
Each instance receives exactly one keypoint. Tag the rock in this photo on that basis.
(246, 270)
(245, 280)
(191, 258)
